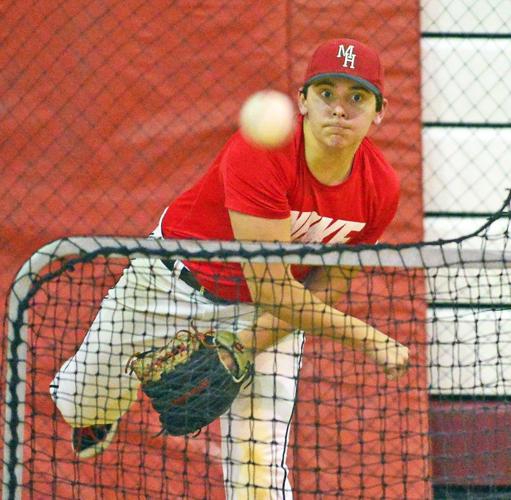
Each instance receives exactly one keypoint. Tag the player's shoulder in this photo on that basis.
(238, 144)
(381, 172)
(238, 153)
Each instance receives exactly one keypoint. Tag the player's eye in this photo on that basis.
(326, 94)
(357, 97)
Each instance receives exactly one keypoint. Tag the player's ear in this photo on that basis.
(302, 98)
(380, 114)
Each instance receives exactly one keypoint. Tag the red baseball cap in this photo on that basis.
(347, 58)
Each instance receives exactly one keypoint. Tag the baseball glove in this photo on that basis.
(193, 379)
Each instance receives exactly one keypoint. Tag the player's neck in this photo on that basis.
(330, 166)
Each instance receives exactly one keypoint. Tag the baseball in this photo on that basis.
(267, 119)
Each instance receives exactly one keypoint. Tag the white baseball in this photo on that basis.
(267, 119)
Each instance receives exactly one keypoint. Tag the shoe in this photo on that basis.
(91, 441)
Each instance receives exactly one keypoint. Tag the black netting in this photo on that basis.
(354, 433)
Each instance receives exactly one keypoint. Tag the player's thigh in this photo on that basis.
(127, 322)
(144, 311)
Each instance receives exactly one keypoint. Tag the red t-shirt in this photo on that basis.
(278, 184)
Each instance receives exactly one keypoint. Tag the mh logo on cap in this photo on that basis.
(349, 56)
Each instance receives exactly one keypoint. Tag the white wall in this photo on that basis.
(466, 96)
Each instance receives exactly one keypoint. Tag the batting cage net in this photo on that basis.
(321, 418)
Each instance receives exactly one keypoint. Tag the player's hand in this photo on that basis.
(392, 356)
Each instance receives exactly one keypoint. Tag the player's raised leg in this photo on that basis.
(92, 390)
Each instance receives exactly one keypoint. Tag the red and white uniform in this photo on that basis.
(276, 185)
(149, 304)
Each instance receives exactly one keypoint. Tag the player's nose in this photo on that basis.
(338, 109)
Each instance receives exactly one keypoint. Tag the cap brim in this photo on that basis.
(368, 85)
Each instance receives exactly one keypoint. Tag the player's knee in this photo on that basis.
(264, 473)
(84, 404)
(64, 395)
(63, 403)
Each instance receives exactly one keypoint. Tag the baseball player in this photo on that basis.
(330, 184)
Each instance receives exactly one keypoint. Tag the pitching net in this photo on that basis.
(354, 433)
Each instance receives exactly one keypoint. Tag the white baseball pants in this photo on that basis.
(148, 306)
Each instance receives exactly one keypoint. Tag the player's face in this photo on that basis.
(339, 112)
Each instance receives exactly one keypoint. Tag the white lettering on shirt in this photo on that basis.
(310, 227)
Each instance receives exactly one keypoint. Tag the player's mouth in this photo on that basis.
(336, 128)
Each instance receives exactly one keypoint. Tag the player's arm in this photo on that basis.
(330, 283)
(273, 287)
